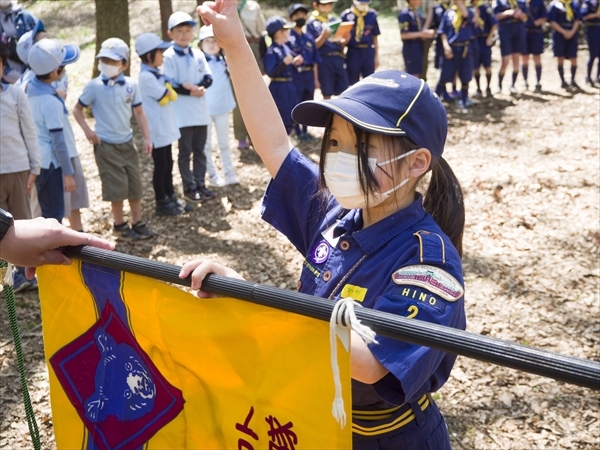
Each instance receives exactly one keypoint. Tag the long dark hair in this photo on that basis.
(444, 196)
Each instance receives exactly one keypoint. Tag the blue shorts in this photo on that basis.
(359, 62)
(332, 75)
(592, 35)
(460, 63)
(439, 53)
(484, 53)
(49, 184)
(512, 37)
(412, 51)
(534, 43)
(305, 84)
(563, 48)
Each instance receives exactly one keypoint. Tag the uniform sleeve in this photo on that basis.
(499, 7)
(137, 95)
(419, 369)
(88, 96)
(404, 20)
(311, 30)
(150, 87)
(552, 14)
(29, 133)
(376, 31)
(491, 17)
(443, 29)
(584, 9)
(291, 204)
(272, 62)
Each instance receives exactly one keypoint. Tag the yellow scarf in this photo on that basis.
(320, 16)
(458, 19)
(568, 9)
(513, 4)
(360, 21)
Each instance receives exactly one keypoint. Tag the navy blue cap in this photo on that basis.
(388, 102)
(295, 8)
(276, 23)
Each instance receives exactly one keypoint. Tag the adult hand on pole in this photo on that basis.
(199, 268)
(33, 243)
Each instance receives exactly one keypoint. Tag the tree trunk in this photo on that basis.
(166, 9)
(199, 2)
(112, 20)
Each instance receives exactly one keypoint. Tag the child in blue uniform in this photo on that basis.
(306, 75)
(362, 48)
(511, 16)
(333, 78)
(280, 64)
(456, 31)
(361, 225)
(485, 29)
(534, 43)
(563, 16)
(410, 21)
(590, 13)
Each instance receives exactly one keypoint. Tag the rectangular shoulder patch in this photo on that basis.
(431, 278)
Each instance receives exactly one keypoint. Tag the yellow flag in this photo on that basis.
(135, 363)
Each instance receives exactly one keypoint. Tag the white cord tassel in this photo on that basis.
(343, 313)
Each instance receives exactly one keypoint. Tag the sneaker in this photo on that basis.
(497, 90)
(513, 89)
(574, 85)
(125, 233)
(564, 85)
(243, 144)
(193, 196)
(183, 205)
(589, 82)
(216, 181)
(205, 193)
(231, 178)
(461, 107)
(488, 93)
(142, 230)
(166, 207)
(525, 86)
(446, 97)
(538, 88)
(478, 94)
(469, 102)
(20, 282)
(33, 284)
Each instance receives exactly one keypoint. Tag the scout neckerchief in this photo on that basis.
(568, 10)
(181, 51)
(38, 87)
(119, 79)
(360, 21)
(513, 4)
(320, 16)
(457, 20)
(417, 18)
(156, 72)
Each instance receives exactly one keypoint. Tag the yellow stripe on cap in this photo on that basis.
(411, 104)
(368, 126)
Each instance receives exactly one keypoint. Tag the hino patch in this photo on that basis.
(434, 279)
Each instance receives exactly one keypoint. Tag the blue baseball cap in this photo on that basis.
(277, 23)
(146, 42)
(48, 54)
(295, 8)
(180, 18)
(390, 102)
(115, 49)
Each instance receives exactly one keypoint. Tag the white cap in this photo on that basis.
(206, 32)
(115, 49)
(26, 41)
(179, 17)
(146, 42)
(48, 54)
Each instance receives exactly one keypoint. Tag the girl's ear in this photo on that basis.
(419, 162)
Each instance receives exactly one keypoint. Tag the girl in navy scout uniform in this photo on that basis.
(485, 29)
(511, 15)
(590, 13)
(410, 21)
(563, 16)
(362, 48)
(534, 43)
(280, 64)
(365, 231)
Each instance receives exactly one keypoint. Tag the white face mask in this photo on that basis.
(107, 70)
(341, 175)
(361, 6)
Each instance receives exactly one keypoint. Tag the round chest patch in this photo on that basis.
(320, 253)
(432, 278)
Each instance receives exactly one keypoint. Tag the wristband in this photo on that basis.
(6, 221)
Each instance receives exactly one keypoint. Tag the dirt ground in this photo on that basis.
(529, 166)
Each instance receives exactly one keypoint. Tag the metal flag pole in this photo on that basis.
(569, 369)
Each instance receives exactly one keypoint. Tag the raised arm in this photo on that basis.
(259, 112)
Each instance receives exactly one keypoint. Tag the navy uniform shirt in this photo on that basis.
(371, 27)
(537, 10)
(589, 7)
(314, 27)
(410, 19)
(304, 44)
(438, 12)
(487, 19)
(273, 61)
(409, 267)
(505, 5)
(465, 32)
(557, 12)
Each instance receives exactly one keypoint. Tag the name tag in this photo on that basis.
(354, 292)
